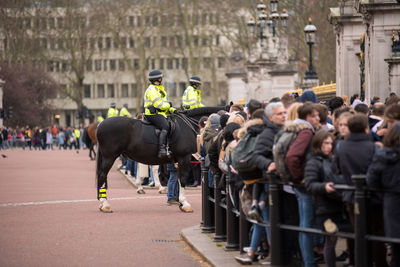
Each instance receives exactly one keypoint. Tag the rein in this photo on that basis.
(188, 121)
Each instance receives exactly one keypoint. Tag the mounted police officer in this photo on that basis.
(124, 112)
(156, 107)
(192, 96)
(112, 111)
(99, 117)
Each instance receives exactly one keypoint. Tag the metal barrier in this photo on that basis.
(234, 229)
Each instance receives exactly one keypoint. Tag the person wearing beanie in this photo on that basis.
(214, 121)
(308, 95)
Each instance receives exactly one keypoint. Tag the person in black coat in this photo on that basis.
(384, 173)
(319, 178)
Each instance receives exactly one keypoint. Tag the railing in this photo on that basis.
(231, 225)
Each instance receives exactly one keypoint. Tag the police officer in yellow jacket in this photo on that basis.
(112, 111)
(192, 96)
(156, 106)
(124, 112)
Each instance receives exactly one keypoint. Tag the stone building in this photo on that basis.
(365, 61)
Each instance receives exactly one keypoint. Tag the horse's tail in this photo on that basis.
(86, 138)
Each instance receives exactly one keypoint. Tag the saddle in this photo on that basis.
(150, 133)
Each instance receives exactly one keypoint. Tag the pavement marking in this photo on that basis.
(81, 200)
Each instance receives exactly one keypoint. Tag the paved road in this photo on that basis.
(49, 216)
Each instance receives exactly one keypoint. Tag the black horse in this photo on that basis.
(121, 135)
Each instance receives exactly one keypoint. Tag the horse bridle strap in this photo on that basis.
(187, 122)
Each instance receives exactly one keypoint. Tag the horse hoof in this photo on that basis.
(105, 207)
(186, 209)
(140, 191)
(162, 190)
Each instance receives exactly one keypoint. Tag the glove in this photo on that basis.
(170, 104)
(176, 111)
(186, 106)
(152, 109)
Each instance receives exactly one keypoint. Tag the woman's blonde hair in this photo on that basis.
(292, 113)
(236, 118)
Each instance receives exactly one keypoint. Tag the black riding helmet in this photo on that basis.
(155, 76)
(195, 80)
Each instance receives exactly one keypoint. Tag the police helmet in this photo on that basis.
(126, 105)
(113, 105)
(195, 80)
(155, 75)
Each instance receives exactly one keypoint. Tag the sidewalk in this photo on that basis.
(214, 253)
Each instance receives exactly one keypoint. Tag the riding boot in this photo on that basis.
(162, 153)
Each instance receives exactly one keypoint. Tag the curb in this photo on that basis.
(212, 252)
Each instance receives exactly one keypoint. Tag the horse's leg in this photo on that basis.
(161, 189)
(103, 167)
(140, 173)
(183, 171)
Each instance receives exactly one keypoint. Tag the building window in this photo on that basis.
(170, 63)
(172, 41)
(62, 91)
(110, 90)
(179, 40)
(97, 65)
(155, 20)
(136, 63)
(207, 62)
(204, 19)
(124, 90)
(131, 43)
(196, 40)
(147, 20)
(52, 44)
(100, 42)
(211, 19)
(89, 64)
(60, 23)
(57, 66)
(108, 42)
(52, 23)
(105, 64)
(50, 66)
(100, 91)
(217, 40)
(92, 43)
(153, 64)
(139, 21)
(171, 89)
(182, 88)
(133, 90)
(86, 90)
(204, 41)
(113, 65)
(64, 67)
(221, 62)
(121, 65)
(177, 63)
(116, 44)
(164, 41)
(184, 63)
(131, 21)
(161, 63)
(147, 42)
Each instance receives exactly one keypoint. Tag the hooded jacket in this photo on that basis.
(384, 173)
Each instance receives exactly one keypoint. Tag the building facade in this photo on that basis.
(365, 63)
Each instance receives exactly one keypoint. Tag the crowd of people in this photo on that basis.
(37, 138)
(315, 146)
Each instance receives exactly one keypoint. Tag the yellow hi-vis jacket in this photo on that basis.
(112, 112)
(191, 98)
(100, 118)
(156, 96)
(77, 133)
(125, 113)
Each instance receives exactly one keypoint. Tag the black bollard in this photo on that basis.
(220, 227)
(276, 247)
(244, 230)
(360, 221)
(207, 207)
(232, 224)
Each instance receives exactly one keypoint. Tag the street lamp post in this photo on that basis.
(263, 19)
(310, 31)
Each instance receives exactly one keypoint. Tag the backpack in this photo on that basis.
(243, 153)
(283, 141)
